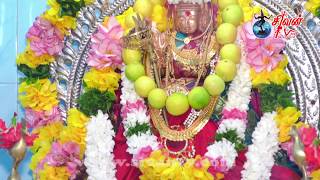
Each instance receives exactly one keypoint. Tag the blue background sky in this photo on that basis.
(16, 16)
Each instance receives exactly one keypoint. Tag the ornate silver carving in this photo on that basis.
(303, 52)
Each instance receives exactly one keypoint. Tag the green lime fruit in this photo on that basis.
(131, 56)
(226, 33)
(231, 52)
(157, 98)
(177, 104)
(143, 85)
(134, 71)
(198, 98)
(226, 69)
(214, 85)
(232, 14)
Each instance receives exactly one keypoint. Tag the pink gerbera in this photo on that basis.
(106, 46)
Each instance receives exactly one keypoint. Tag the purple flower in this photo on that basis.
(45, 38)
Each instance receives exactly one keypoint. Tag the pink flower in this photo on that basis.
(234, 114)
(307, 135)
(218, 164)
(10, 136)
(106, 46)
(45, 38)
(262, 54)
(64, 155)
(288, 146)
(129, 107)
(38, 119)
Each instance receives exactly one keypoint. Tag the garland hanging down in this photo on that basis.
(66, 150)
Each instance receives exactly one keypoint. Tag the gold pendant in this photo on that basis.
(186, 40)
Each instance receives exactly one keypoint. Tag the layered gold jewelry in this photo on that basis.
(188, 133)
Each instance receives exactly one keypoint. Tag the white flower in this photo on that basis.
(224, 149)
(239, 93)
(233, 124)
(136, 117)
(260, 153)
(136, 142)
(99, 149)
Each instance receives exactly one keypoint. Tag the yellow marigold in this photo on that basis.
(312, 6)
(159, 16)
(104, 80)
(65, 23)
(122, 18)
(277, 75)
(75, 131)
(249, 11)
(46, 135)
(42, 95)
(54, 173)
(285, 118)
(193, 172)
(39, 156)
(29, 58)
(315, 175)
(77, 118)
(159, 166)
(76, 135)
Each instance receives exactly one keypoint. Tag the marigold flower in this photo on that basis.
(54, 173)
(278, 75)
(29, 58)
(42, 95)
(104, 80)
(285, 119)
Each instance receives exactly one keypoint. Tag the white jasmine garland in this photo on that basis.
(260, 153)
(233, 124)
(136, 117)
(137, 142)
(223, 149)
(239, 93)
(99, 158)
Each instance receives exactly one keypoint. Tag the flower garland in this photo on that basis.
(38, 94)
(260, 153)
(99, 152)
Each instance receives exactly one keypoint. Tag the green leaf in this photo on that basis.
(274, 96)
(232, 136)
(93, 100)
(33, 74)
(70, 7)
(139, 128)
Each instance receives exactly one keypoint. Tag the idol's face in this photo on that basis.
(186, 18)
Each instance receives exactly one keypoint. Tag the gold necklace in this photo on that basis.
(192, 57)
(188, 133)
